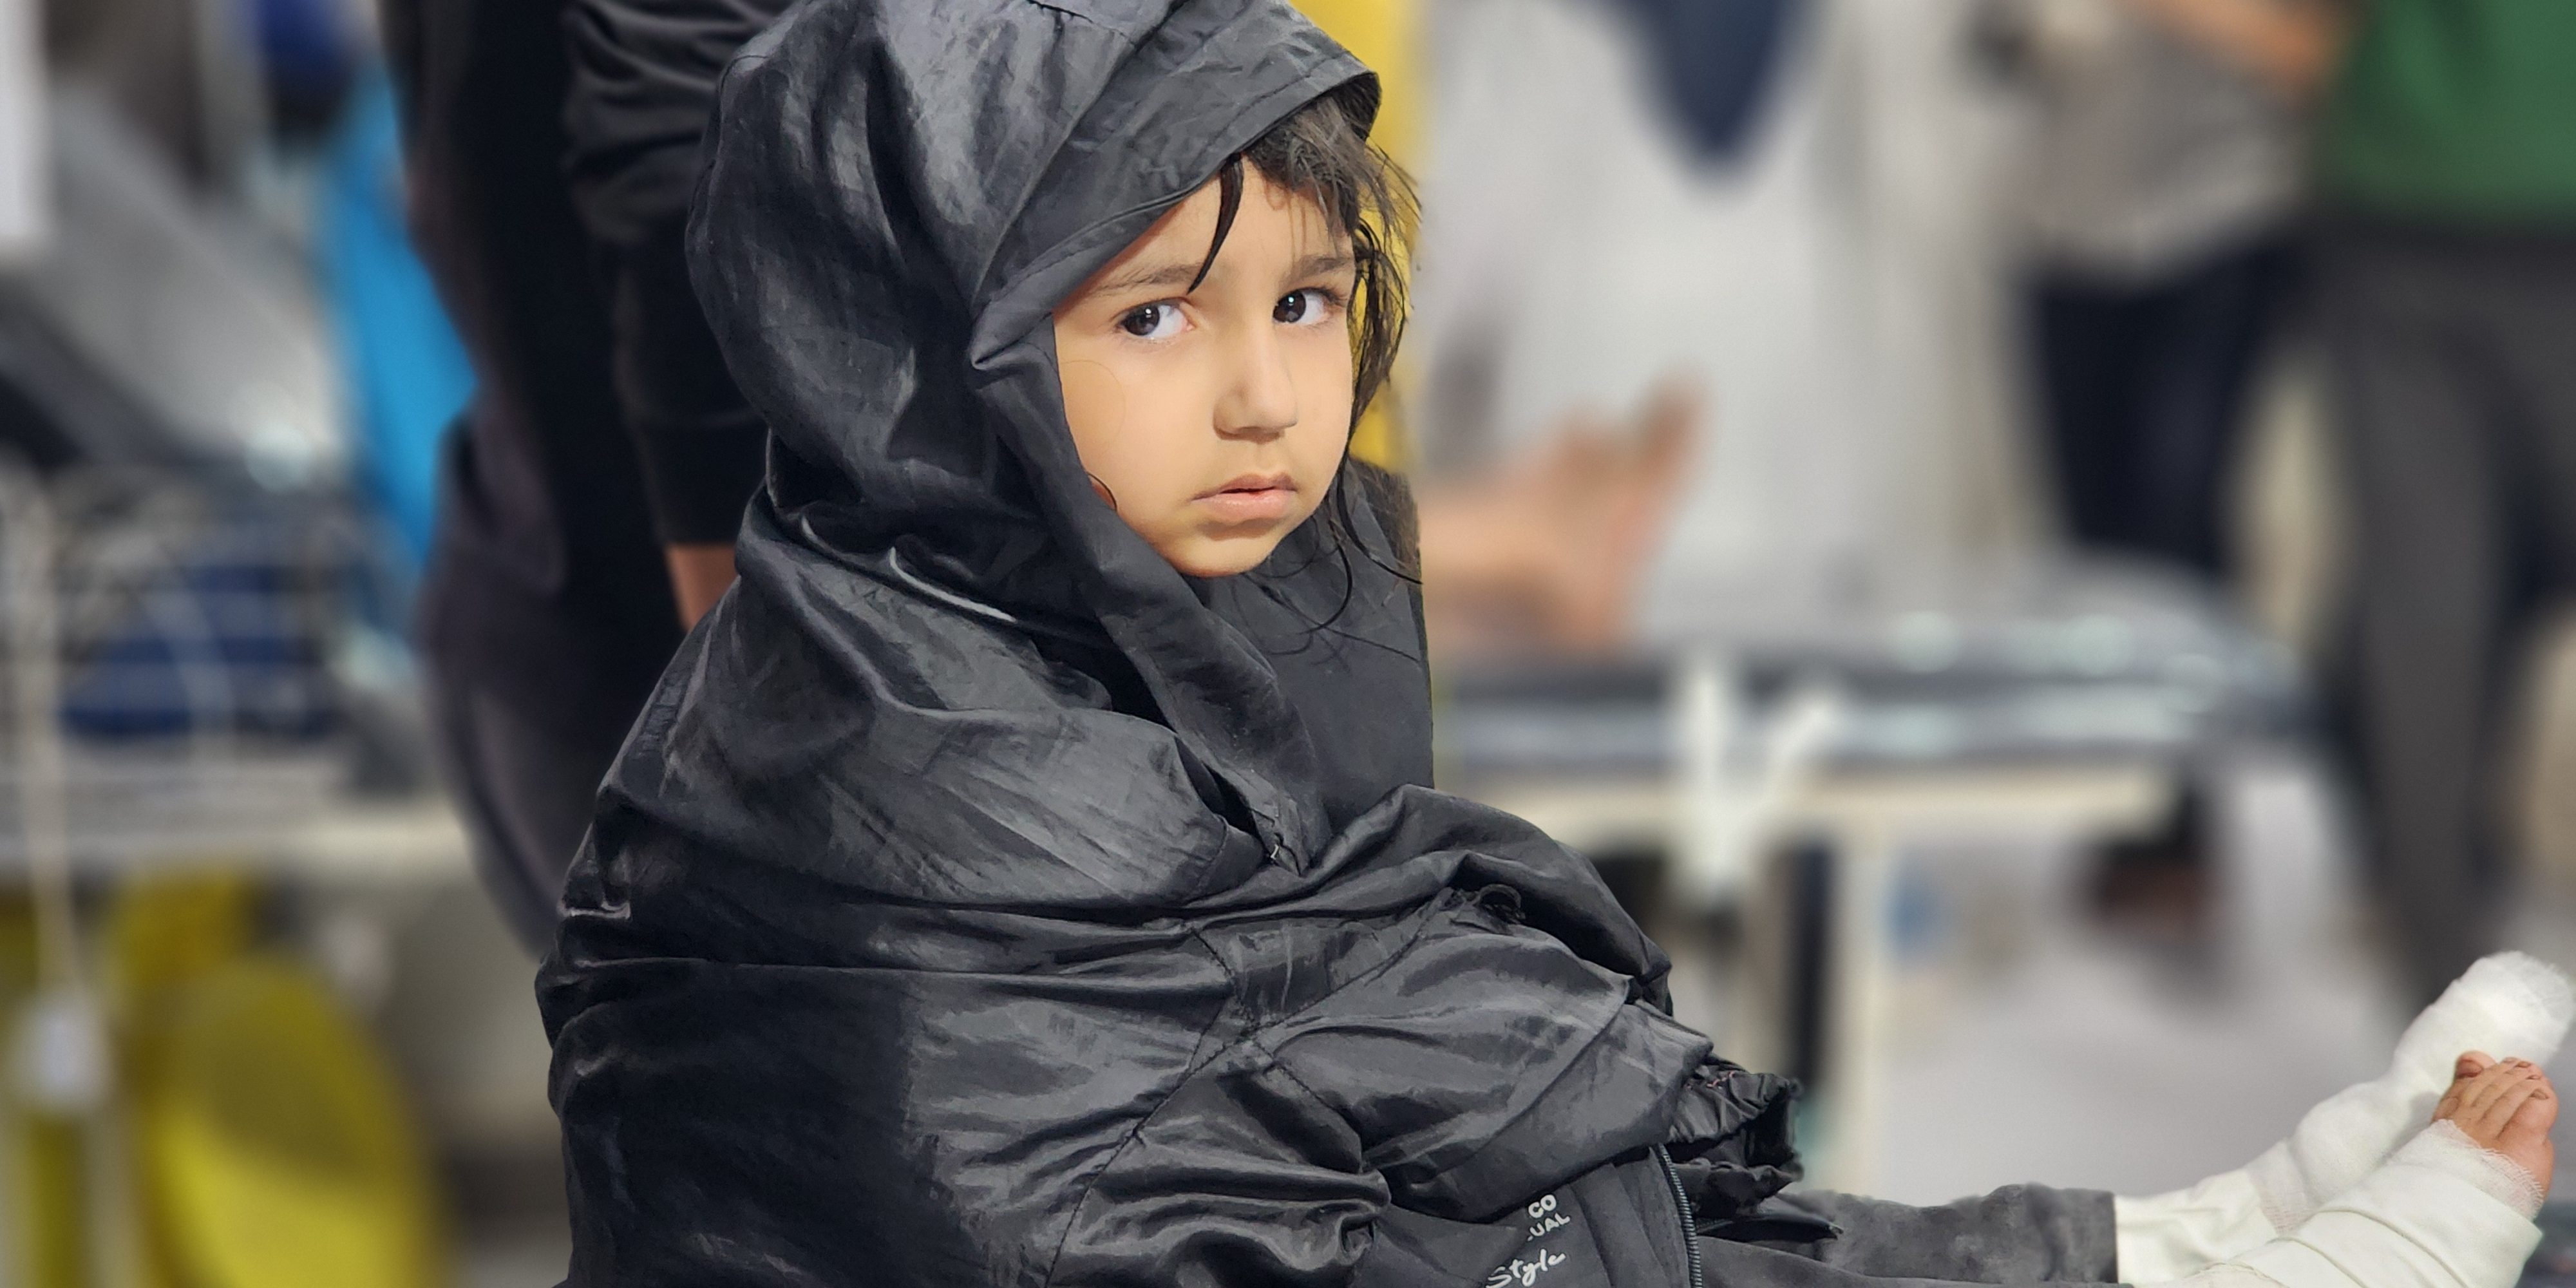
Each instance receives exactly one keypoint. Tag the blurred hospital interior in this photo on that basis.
(2030, 540)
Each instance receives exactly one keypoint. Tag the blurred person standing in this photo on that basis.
(2447, 288)
(1781, 207)
(591, 492)
(2166, 172)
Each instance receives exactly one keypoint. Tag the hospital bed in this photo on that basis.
(1782, 770)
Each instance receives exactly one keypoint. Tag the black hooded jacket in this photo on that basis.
(980, 901)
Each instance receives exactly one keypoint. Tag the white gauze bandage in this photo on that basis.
(2510, 1004)
(2440, 1213)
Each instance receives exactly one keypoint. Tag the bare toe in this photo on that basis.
(2464, 1072)
(2451, 1097)
(2524, 1137)
(2486, 1122)
(2481, 1094)
(2468, 1095)
(2535, 1116)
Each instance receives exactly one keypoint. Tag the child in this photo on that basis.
(1027, 875)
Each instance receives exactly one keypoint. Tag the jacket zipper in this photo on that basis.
(1690, 1221)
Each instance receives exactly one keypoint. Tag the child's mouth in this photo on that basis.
(1253, 498)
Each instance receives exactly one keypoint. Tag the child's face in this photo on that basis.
(1214, 419)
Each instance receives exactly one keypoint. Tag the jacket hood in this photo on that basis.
(897, 197)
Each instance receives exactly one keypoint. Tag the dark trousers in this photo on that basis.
(524, 779)
(2454, 360)
(2142, 390)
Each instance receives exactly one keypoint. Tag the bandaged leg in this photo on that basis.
(2509, 1005)
(2440, 1213)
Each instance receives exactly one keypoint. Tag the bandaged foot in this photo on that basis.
(2451, 1208)
(2511, 1005)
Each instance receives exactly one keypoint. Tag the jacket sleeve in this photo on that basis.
(643, 82)
(1752, 1265)
(2017, 1234)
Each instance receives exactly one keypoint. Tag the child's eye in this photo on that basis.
(1309, 305)
(1151, 321)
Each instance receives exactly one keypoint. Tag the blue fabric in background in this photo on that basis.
(306, 47)
(407, 373)
(1717, 63)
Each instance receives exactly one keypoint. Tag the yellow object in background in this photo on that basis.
(52, 1183)
(167, 928)
(279, 1148)
(163, 932)
(265, 1142)
(1385, 34)
(48, 1154)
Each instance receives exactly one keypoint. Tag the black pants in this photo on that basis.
(524, 779)
(2142, 390)
(2454, 360)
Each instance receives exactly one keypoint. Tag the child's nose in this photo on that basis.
(1261, 400)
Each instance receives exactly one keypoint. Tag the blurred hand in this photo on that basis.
(1546, 551)
(2291, 45)
(700, 572)
(2055, 37)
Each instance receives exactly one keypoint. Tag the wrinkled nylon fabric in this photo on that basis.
(980, 901)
